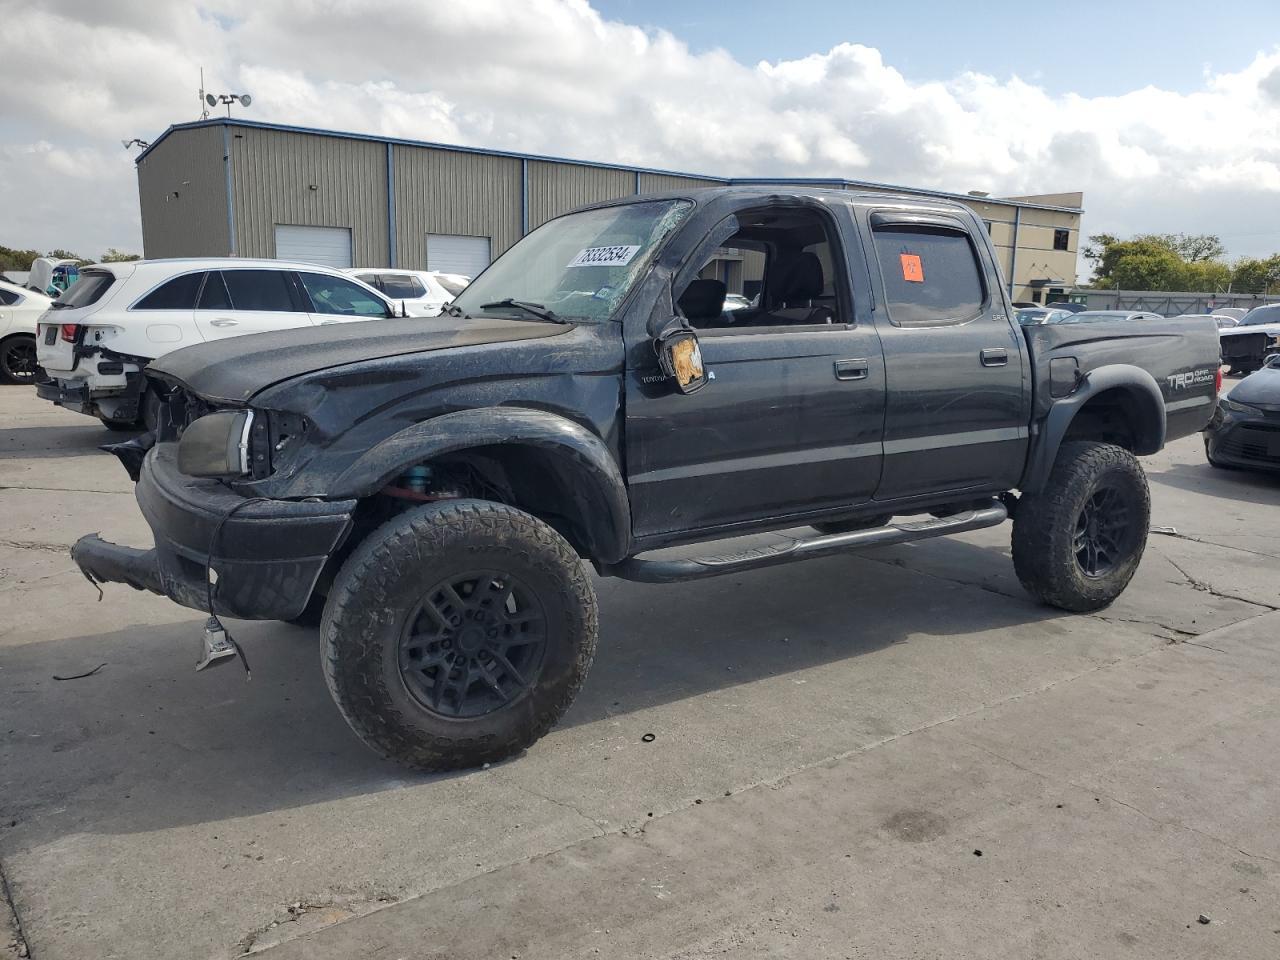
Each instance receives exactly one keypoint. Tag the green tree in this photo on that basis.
(1193, 247)
(115, 256)
(11, 259)
(1158, 261)
(1251, 275)
(60, 254)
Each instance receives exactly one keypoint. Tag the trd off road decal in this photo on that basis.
(1184, 381)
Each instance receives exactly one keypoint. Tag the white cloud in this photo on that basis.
(552, 76)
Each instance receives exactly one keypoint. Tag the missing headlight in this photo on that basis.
(216, 445)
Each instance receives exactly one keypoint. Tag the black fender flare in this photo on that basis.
(597, 488)
(1149, 415)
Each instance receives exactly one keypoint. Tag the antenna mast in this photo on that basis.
(204, 108)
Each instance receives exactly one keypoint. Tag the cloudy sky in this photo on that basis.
(1167, 115)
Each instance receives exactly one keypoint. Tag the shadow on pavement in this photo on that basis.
(45, 442)
(146, 743)
(1249, 486)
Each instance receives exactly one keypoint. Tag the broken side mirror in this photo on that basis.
(680, 357)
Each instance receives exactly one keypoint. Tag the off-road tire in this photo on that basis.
(386, 577)
(1044, 526)
(849, 526)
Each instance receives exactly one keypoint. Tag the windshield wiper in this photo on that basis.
(533, 309)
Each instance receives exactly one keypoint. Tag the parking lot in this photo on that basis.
(890, 755)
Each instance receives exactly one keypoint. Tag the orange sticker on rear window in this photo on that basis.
(912, 269)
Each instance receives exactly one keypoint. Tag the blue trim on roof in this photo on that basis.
(836, 182)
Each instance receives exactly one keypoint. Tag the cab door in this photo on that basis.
(956, 366)
(239, 301)
(790, 422)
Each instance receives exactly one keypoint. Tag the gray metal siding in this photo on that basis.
(182, 195)
(661, 183)
(467, 194)
(556, 188)
(272, 176)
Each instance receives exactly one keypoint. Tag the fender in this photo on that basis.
(595, 483)
(1148, 414)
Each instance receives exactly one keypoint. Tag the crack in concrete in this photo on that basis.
(36, 545)
(1206, 587)
(118, 493)
(21, 947)
(1095, 792)
(1217, 543)
(599, 828)
(1149, 623)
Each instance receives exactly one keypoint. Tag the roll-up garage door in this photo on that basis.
(450, 253)
(330, 246)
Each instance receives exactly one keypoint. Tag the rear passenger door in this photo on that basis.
(959, 396)
(240, 301)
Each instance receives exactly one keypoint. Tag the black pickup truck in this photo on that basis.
(431, 491)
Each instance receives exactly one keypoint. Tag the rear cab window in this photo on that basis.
(931, 273)
(401, 287)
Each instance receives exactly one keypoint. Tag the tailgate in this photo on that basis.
(54, 353)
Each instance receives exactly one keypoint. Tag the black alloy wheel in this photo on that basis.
(1103, 535)
(474, 644)
(18, 360)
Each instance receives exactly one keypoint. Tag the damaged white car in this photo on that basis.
(97, 338)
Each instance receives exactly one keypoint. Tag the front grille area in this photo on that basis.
(1257, 442)
(1244, 346)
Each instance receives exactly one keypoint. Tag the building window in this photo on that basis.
(1061, 239)
(987, 223)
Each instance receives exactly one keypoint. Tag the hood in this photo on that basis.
(1268, 328)
(1260, 389)
(236, 368)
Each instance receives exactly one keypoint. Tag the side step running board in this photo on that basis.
(673, 571)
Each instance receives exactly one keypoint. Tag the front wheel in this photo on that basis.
(18, 359)
(457, 634)
(1078, 542)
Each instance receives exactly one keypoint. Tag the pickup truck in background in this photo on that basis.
(432, 492)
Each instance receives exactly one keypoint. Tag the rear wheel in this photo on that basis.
(18, 359)
(457, 634)
(1078, 542)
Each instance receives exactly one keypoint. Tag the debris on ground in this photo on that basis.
(81, 676)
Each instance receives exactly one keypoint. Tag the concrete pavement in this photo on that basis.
(833, 742)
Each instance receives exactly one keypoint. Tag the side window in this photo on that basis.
(266, 290)
(176, 294)
(214, 295)
(8, 298)
(335, 295)
(930, 275)
(371, 279)
(775, 268)
(398, 286)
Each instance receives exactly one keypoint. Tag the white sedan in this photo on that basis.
(19, 310)
(425, 293)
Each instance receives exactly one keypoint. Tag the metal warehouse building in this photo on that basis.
(231, 187)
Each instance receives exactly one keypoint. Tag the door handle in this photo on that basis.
(223, 322)
(995, 357)
(852, 369)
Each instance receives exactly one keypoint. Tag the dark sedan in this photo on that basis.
(1245, 429)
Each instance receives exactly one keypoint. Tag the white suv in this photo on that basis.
(425, 293)
(98, 336)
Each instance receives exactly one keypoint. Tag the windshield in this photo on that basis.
(1261, 315)
(579, 266)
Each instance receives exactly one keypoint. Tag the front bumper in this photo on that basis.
(1245, 440)
(267, 558)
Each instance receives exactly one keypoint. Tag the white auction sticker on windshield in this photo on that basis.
(618, 256)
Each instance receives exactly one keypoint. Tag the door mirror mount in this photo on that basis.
(680, 356)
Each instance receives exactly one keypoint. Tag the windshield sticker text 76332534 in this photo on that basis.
(618, 256)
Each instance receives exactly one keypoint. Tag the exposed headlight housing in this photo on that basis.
(216, 445)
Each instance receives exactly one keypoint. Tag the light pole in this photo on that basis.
(228, 98)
